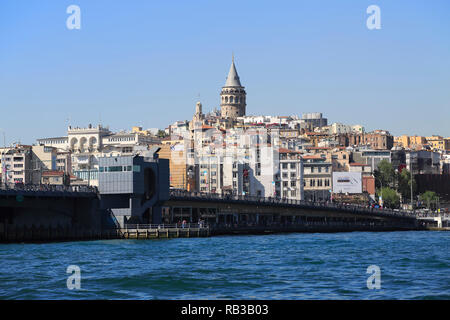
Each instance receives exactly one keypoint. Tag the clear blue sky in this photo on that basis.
(145, 62)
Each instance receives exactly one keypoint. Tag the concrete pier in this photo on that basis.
(163, 231)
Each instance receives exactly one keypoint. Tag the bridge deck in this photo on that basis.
(48, 191)
(289, 203)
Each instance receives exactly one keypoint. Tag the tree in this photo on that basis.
(384, 173)
(404, 184)
(429, 197)
(161, 134)
(390, 197)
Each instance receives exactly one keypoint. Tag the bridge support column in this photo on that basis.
(439, 221)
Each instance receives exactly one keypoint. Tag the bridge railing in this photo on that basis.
(166, 226)
(46, 188)
(283, 201)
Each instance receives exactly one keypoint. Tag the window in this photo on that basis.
(284, 165)
(312, 169)
(293, 193)
(319, 169)
(285, 175)
(285, 183)
(293, 183)
(293, 174)
(115, 169)
(293, 165)
(136, 168)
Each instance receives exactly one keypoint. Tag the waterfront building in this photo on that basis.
(182, 174)
(133, 186)
(16, 165)
(86, 145)
(55, 177)
(290, 176)
(317, 175)
(43, 158)
(26, 164)
(64, 161)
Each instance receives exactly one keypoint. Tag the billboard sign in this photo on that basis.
(347, 182)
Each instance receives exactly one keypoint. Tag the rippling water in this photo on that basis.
(414, 265)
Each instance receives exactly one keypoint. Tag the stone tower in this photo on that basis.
(232, 96)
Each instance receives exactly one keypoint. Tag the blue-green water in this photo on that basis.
(414, 265)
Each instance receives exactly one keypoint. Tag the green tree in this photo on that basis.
(390, 197)
(429, 197)
(404, 185)
(161, 134)
(384, 174)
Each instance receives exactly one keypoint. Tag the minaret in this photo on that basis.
(233, 95)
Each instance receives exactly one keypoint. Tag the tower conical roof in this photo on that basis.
(233, 78)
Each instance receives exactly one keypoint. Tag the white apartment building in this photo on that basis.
(25, 164)
(290, 175)
(16, 165)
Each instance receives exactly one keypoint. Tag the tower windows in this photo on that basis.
(231, 99)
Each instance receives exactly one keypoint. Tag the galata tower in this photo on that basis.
(232, 96)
